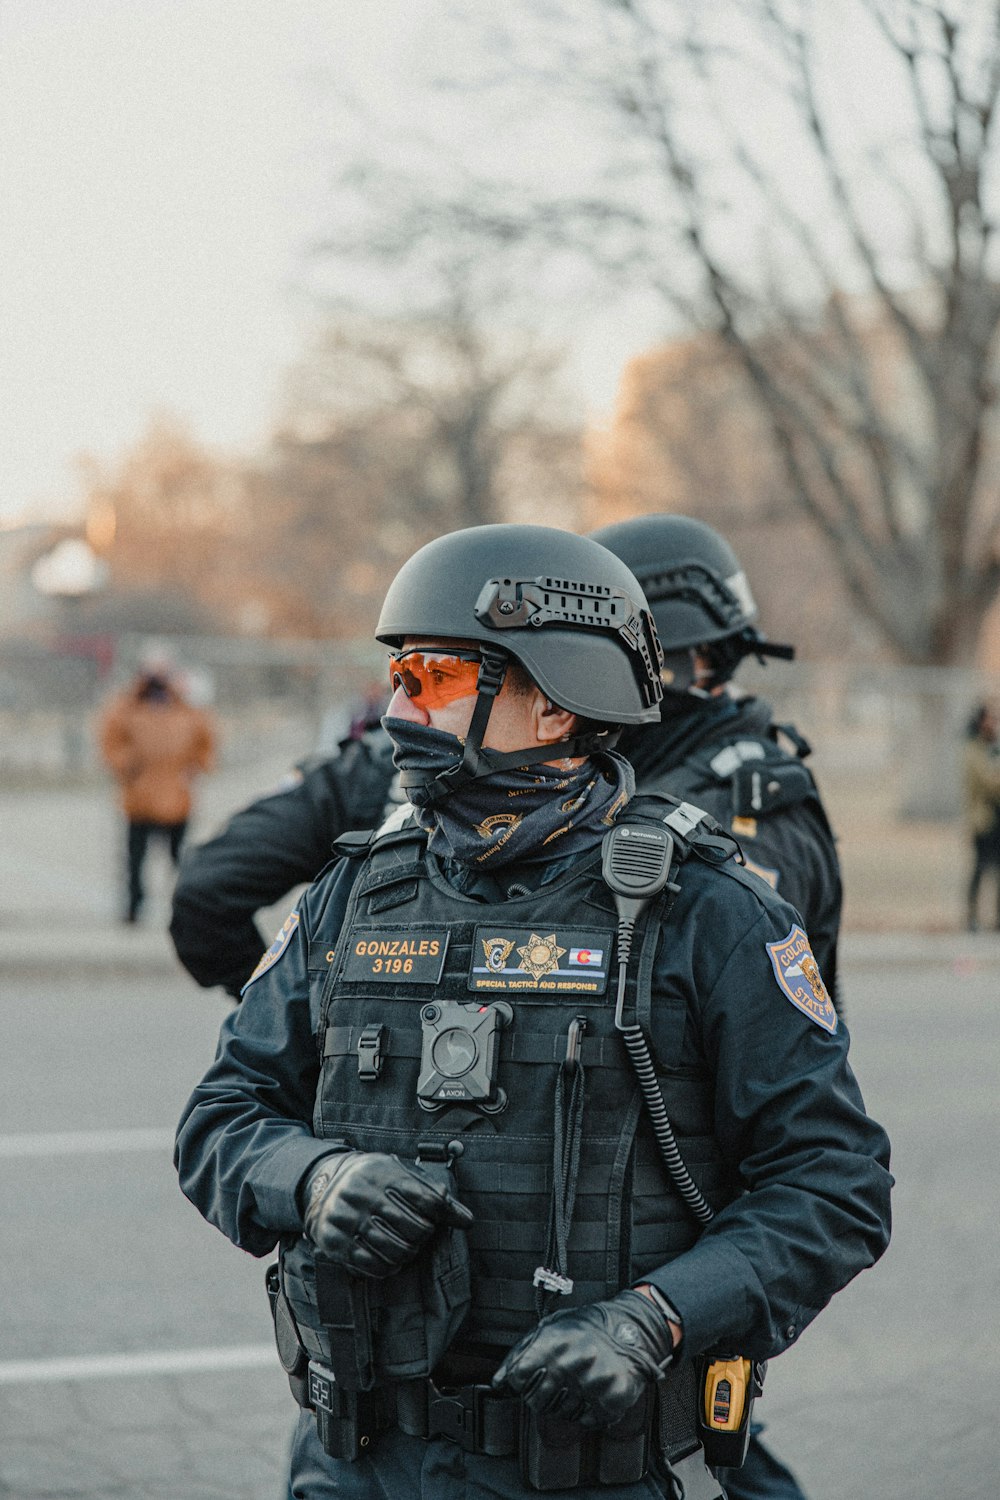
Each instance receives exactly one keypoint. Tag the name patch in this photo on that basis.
(797, 973)
(385, 954)
(525, 958)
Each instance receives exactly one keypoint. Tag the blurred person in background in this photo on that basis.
(981, 796)
(154, 743)
(716, 746)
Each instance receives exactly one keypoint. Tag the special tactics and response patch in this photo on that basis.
(798, 976)
(519, 958)
(277, 948)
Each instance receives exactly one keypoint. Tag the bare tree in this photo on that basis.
(426, 314)
(862, 308)
(398, 429)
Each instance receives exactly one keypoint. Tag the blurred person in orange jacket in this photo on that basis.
(154, 743)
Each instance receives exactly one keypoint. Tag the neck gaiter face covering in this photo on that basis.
(513, 816)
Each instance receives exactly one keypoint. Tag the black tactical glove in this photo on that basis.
(590, 1364)
(372, 1212)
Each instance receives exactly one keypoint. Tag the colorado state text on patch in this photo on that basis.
(385, 954)
(277, 948)
(797, 973)
(525, 958)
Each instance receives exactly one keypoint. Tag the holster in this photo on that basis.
(293, 1357)
(346, 1341)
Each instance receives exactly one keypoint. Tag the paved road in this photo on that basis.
(890, 1395)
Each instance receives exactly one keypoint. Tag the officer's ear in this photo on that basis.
(551, 722)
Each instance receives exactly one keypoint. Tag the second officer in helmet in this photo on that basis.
(715, 745)
(492, 1280)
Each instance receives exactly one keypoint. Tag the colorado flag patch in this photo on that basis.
(797, 973)
(275, 951)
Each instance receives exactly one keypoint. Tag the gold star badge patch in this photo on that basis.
(540, 955)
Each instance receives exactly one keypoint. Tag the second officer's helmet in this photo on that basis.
(697, 590)
(567, 610)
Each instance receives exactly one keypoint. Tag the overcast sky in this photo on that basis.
(162, 165)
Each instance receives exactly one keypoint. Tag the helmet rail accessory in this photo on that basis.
(513, 603)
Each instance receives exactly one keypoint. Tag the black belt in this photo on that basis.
(553, 1454)
(475, 1417)
(480, 1420)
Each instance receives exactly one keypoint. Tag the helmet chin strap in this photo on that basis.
(478, 762)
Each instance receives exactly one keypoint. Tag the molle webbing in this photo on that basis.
(626, 1217)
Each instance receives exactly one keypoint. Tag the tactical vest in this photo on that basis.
(749, 777)
(409, 941)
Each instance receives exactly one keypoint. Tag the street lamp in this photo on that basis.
(69, 573)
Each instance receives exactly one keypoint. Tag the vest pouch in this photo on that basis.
(623, 1450)
(422, 1308)
(551, 1452)
(560, 1455)
(392, 1329)
(760, 788)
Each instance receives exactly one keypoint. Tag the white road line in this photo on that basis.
(108, 1366)
(78, 1142)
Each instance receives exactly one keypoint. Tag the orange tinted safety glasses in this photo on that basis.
(435, 678)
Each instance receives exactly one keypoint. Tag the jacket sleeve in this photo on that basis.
(245, 1138)
(815, 1167)
(262, 853)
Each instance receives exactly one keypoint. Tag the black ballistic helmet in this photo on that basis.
(567, 610)
(696, 588)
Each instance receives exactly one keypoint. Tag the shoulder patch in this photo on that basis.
(799, 979)
(277, 948)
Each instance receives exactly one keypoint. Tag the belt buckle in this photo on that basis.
(457, 1414)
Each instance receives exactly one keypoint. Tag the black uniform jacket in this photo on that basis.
(268, 849)
(790, 843)
(788, 1115)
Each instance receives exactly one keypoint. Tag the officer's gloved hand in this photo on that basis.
(372, 1212)
(590, 1364)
